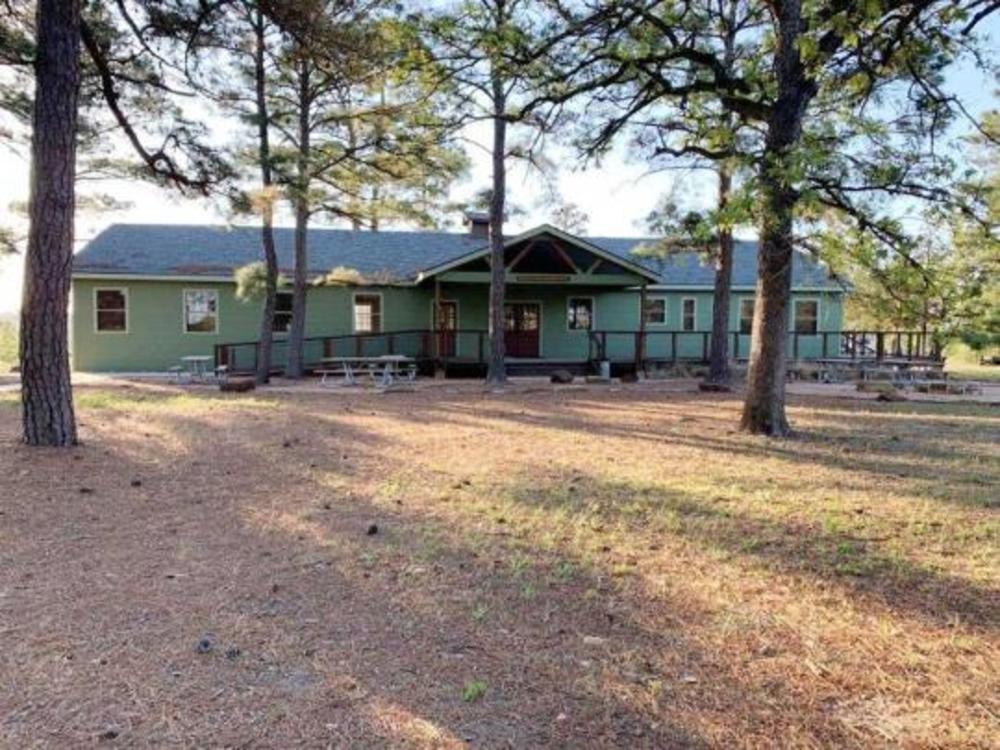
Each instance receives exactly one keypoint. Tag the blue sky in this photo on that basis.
(616, 196)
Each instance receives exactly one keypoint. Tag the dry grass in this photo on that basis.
(8, 345)
(569, 569)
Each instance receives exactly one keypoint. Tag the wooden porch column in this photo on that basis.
(640, 348)
(439, 368)
(437, 318)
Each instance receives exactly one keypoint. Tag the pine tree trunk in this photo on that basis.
(718, 360)
(46, 393)
(764, 406)
(265, 347)
(496, 373)
(300, 277)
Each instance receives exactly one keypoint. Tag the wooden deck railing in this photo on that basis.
(675, 346)
(421, 344)
(641, 347)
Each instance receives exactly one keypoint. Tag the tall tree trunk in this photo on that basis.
(265, 346)
(46, 393)
(718, 360)
(300, 286)
(764, 406)
(496, 373)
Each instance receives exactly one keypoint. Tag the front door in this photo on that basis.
(522, 329)
(446, 327)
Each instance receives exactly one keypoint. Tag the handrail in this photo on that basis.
(637, 346)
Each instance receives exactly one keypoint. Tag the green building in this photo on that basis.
(146, 295)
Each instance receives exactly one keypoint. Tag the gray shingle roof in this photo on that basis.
(215, 251)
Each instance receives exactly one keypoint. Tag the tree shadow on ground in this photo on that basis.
(344, 638)
(869, 448)
(834, 557)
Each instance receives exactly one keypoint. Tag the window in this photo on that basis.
(282, 322)
(201, 311)
(580, 314)
(688, 314)
(746, 315)
(111, 310)
(367, 313)
(806, 316)
(656, 311)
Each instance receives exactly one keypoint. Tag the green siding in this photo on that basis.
(155, 339)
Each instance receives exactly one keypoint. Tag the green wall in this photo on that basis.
(155, 339)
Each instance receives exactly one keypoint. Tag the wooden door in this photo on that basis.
(522, 329)
(447, 326)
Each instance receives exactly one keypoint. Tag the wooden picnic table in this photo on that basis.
(385, 369)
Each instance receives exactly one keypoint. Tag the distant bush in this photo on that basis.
(8, 345)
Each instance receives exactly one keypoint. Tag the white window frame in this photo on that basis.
(184, 312)
(739, 315)
(128, 309)
(795, 304)
(381, 316)
(666, 307)
(694, 315)
(593, 313)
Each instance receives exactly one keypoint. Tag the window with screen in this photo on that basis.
(656, 311)
(367, 313)
(111, 310)
(201, 311)
(282, 321)
(580, 314)
(688, 314)
(746, 315)
(806, 316)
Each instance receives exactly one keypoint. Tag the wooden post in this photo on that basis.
(640, 349)
(673, 347)
(825, 342)
(736, 345)
(437, 317)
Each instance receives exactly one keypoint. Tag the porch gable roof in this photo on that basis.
(538, 232)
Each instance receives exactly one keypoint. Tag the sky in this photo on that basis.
(616, 195)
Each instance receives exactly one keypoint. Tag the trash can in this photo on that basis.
(604, 369)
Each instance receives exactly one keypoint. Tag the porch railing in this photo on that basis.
(641, 347)
(425, 345)
(693, 346)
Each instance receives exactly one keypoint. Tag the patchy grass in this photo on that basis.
(962, 362)
(8, 345)
(621, 569)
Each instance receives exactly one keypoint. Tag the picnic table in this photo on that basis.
(904, 370)
(385, 369)
(897, 370)
(193, 366)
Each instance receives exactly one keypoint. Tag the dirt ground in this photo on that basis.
(570, 569)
